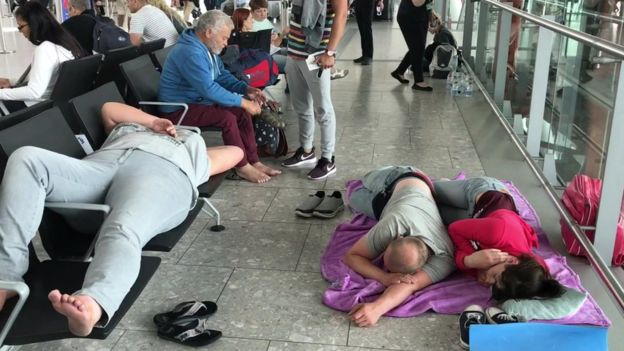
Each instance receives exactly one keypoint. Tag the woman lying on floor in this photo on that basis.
(495, 244)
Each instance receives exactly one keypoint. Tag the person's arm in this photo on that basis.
(374, 243)
(114, 113)
(198, 72)
(137, 26)
(485, 231)
(227, 80)
(367, 314)
(359, 258)
(341, 11)
(136, 39)
(45, 62)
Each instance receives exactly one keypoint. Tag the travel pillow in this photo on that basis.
(554, 308)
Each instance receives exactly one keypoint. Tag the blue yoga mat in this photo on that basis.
(537, 337)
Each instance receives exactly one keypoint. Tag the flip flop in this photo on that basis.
(188, 309)
(189, 331)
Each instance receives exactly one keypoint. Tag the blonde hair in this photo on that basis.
(170, 12)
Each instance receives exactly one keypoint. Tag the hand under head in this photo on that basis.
(525, 279)
(406, 255)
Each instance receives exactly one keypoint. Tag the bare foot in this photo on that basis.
(266, 169)
(5, 295)
(252, 174)
(82, 311)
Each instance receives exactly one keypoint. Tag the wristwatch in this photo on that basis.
(330, 53)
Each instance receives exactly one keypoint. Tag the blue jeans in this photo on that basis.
(147, 195)
(374, 183)
(456, 198)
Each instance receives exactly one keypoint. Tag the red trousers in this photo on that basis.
(234, 122)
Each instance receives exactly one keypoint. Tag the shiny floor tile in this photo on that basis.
(261, 245)
(279, 305)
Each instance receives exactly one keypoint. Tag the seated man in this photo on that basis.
(80, 23)
(410, 236)
(147, 171)
(194, 74)
(150, 23)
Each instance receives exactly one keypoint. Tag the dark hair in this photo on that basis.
(526, 280)
(44, 27)
(239, 16)
(258, 4)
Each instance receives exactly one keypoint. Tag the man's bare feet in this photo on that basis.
(252, 174)
(82, 311)
(266, 169)
(5, 295)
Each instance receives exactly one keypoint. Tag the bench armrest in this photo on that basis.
(159, 103)
(22, 291)
(105, 209)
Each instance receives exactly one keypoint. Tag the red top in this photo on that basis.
(501, 229)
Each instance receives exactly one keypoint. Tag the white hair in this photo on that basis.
(213, 19)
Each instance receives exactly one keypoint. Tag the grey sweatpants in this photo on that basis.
(311, 99)
(147, 195)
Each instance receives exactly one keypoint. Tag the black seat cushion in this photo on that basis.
(39, 322)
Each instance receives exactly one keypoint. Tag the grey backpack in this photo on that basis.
(442, 61)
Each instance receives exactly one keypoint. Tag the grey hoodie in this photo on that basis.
(311, 15)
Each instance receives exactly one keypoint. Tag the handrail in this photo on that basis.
(604, 271)
(604, 45)
(584, 12)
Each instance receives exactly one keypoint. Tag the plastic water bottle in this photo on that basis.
(454, 62)
(449, 81)
(455, 87)
(379, 11)
(469, 88)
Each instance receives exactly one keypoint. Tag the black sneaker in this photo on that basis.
(473, 314)
(300, 158)
(324, 168)
(497, 316)
(359, 59)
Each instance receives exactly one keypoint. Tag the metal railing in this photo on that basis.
(613, 183)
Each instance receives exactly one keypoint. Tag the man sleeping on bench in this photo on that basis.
(147, 171)
(410, 235)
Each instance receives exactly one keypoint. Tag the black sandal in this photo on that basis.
(189, 331)
(194, 309)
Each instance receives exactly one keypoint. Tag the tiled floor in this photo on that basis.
(263, 270)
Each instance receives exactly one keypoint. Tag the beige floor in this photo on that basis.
(263, 270)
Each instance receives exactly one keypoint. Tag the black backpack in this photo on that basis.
(107, 36)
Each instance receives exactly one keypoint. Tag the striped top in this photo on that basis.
(296, 37)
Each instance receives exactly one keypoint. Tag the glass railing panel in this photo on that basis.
(581, 110)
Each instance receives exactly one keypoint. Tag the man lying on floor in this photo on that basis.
(147, 171)
(410, 235)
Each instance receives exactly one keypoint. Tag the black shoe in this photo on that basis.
(365, 61)
(396, 75)
(473, 314)
(418, 87)
(300, 158)
(324, 168)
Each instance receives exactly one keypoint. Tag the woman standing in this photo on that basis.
(54, 45)
(413, 18)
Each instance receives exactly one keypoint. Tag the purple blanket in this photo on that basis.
(451, 295)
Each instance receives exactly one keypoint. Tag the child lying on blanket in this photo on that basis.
(495, 244)
(410, 235)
